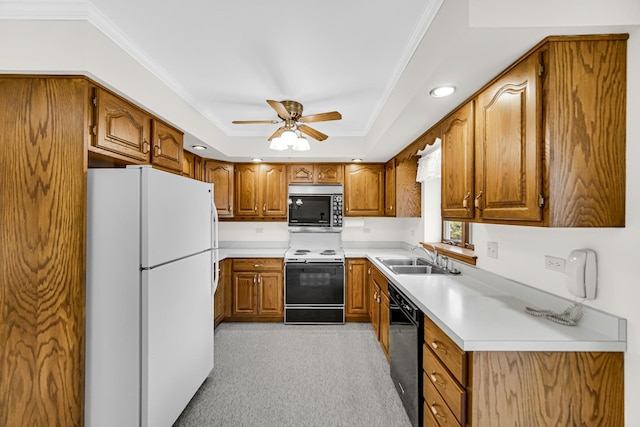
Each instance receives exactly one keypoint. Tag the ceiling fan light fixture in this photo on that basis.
(278, 144)
(301, 144)
(442, 91)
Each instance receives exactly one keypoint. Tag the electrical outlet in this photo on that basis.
(553, 263)
(492, 249)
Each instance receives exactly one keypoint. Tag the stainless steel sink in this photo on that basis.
(417, 269)
(412, 266)
(389, 262)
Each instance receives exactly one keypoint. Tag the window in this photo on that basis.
(456, 233)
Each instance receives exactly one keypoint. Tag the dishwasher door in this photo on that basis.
(405, 350)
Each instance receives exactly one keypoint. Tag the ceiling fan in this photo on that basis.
(290, 113)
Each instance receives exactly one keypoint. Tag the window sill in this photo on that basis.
(455, 252)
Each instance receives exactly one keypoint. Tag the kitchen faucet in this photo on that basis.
(432, 257)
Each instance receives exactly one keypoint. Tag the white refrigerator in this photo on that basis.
(151, 240)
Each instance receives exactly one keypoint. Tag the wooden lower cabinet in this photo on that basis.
(379, 303)
(357, 291)
(257, 290)
(219, 296)
(526, 388)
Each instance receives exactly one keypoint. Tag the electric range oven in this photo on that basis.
(314, 279)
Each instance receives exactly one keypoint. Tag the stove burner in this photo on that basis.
(328, 252)
(301, 251)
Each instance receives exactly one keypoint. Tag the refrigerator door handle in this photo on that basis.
(214, 243)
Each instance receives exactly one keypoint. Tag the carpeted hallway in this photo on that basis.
(296, 375)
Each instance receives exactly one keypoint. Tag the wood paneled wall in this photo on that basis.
(43, 128)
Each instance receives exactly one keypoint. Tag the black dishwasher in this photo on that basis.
(405, 352)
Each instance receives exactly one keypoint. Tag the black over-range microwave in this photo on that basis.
(315, 207)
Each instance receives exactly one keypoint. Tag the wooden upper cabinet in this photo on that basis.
(329, 173)
(458, 164)
(261, 191)
(321, 173)
(188, 164)
(390, 188)
(167, 146)
(222, 176)
(508, 165)
(120, 129)
(247, 194)
(274, 190)
(364, 189)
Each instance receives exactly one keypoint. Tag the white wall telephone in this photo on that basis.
(581, 273)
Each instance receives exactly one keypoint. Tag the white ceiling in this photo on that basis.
(372, 60)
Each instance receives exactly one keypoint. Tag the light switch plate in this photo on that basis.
(492, 249)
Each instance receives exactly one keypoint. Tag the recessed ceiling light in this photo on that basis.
(199, 147)
(356, 160)
(442, 91)
(256, 159)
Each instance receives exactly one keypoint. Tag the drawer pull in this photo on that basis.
(434, 411)
(435, 345)
(257, 265)
(434, 379)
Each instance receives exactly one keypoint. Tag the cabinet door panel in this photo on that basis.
(364, 190)
(328, 174)
(244, 294)
(121, 127)
(357, 298)
(301, 173)
(221, 175)
(508, 162)
(390, 188)
(167, 146)
(458, 164)
(247, 190)
(270, 294)
(274, 181)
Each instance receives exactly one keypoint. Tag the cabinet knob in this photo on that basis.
(255, 278)
(259, 279)
(255, 208)
(257, 265)
(157, 150)
(264, 207)
(145, 147)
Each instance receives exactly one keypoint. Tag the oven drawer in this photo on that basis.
(257, 264)
(435, 406)
(452, 356)
(453, 395)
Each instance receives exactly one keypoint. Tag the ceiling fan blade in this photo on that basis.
(255, 122)
(315, 134)
(322, 117)
(277, 133)
(280, 109)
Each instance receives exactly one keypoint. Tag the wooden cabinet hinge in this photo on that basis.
(95, 101)
(540, 69)
(94, 130)
(540, 200)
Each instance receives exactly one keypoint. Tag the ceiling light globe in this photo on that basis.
(301, 144)
(278, 144)
(289, 137)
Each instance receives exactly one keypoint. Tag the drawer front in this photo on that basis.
(257, 264)
(453, 395)
(446, 350)
(435, 405)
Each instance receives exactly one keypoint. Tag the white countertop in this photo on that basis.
(480, 316)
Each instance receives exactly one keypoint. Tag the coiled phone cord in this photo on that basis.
(570, 317)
